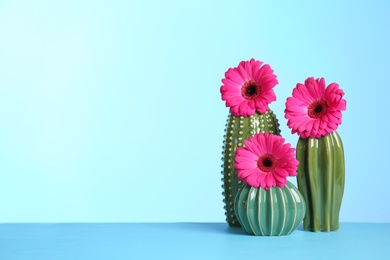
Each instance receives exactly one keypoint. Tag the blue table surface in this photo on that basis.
(187, 241)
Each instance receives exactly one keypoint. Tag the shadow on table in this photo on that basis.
(218, 228)
(241, 231)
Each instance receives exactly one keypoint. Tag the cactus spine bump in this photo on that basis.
(237, 130)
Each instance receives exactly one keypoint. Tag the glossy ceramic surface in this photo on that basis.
(237, 130)
(272, 212)
(320, 179)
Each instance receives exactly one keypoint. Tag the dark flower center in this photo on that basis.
(251, 89)
(317, 109)
(267, 162)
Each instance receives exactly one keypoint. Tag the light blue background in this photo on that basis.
(111, 111)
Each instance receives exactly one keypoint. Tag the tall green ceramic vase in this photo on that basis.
(272, 212)
(320, 179)
(237, 130)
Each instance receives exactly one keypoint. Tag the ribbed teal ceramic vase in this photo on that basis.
(320, 179)
(237, 130)
(272, 212)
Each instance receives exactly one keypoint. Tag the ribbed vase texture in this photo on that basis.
(321, 176)
(272, 212)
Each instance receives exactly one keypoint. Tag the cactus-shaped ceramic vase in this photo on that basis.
(273, 212)
(237, 130)
(321, 180)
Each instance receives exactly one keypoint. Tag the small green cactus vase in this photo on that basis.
(237, 130)
(272, 212)
(321, 174)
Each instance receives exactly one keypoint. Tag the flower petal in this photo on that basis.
(296, 111)
(236, 78)
(274, 146)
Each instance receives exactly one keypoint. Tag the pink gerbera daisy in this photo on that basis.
(314, 110)
(249, 88)
(265, 161)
